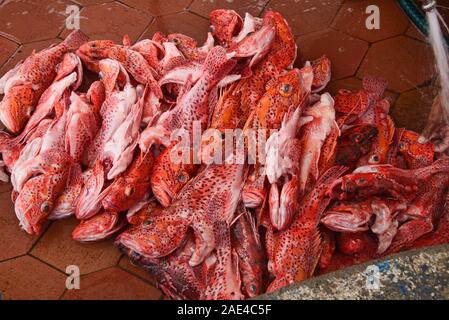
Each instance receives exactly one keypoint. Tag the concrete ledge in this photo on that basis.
(416, 274)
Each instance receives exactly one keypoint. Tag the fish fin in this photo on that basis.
(374, 85)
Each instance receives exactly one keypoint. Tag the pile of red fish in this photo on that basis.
(335, 183)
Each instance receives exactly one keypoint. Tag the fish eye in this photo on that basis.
(212, 29)
(181, 177)
(401, 145)
(45, 207)
(357, 137)
(361, 180)
(253, 288)
(175, 40)
(286, 90)
(374, 158)
(129, 191)
(93, 45)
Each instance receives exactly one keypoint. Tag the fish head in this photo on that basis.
(17, 107)
(182, 41)
(97, 49)
(281, 94)
(225, 24)
(416, 153)
(169, 177)
(123, 193)
(354, 143)
(321, 73)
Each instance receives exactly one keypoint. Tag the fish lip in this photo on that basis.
(163, 193)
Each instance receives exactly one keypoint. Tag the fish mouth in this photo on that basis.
(253, 198)
(163, 193)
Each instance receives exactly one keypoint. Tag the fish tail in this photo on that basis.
(75, 39)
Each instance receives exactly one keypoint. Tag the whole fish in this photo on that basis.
(192, 108)
(25, 85)
(211, 196)
(131, 186)
(295, 252)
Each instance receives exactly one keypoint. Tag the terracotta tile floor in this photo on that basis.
(33, 267)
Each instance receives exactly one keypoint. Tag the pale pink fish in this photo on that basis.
(81, 127)
(313, 137)
(113, 113)
(283, 150)
(193, 105)
(34, 157)
(119, 149)
(180, 75)
(250, 25)
(65, 204)
(225, 282)
(99, 227)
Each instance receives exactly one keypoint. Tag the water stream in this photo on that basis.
(440, 51)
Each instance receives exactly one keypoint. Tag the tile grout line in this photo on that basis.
(39, 238)
(145, 29)
(12, 258)
(46, 263)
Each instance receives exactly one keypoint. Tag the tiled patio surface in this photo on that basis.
(33, 267)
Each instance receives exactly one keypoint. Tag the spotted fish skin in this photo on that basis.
(211, 196)
(295, 251)
(23, 89)
(37, 197)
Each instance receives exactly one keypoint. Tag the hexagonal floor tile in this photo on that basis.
(345, 52)
(57, 248)
(7, 48)
(404, 62)
(48, 19)
(412, 108)
(413, 32)
(13, 240)
(354, 84)
(29, 279)
(24, 51)
(306, 16)
(185, 22)
(5, 186)
(112, 284)
(204, 7)
(111, 21)
(126, 264)
(159, 8)
(86, 3)
(352, 16)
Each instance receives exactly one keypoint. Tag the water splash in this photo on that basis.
(440, 51)
(437, 127)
